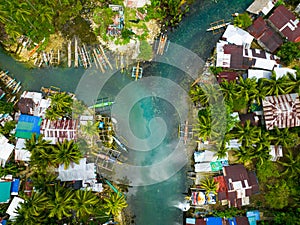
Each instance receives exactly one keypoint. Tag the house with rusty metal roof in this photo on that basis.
(240, 58)
(281, 111)
(59, 130)
(286, 23)
(236, 185)
(265, 35)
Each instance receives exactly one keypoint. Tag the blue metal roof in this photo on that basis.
(214, 221)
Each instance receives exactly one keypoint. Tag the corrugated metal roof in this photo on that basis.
(281, 111)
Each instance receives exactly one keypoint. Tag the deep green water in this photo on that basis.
(151, 204)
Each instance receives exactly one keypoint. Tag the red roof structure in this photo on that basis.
(266, 36)
(229, 76)
(236, 185)
(286, 23)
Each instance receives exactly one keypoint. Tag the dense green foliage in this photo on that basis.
(242, 20)
(61, 106)
(288, 52)
(55, 202)
(37, 19)
(278, 181)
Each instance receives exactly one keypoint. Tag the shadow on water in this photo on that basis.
(152, 204)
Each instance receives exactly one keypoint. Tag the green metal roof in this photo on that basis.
(5, 191)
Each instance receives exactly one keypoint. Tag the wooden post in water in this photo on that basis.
(58, 57)
(69, 54)
(76, 54)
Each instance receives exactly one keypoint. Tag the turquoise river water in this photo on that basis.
(151, 204)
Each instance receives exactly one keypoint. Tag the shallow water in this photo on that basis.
(152, 204)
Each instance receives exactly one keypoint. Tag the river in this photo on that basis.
(151, 202)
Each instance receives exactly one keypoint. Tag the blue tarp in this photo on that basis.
(214, 221)
(232, 221)
(15, 186)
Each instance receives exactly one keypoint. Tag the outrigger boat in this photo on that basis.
(3, 94)
(10, 83)
(120, 143)
(137, 72)
(217, 26)
(17, 87)
(101, 105)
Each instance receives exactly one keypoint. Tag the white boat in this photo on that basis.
(217, 26)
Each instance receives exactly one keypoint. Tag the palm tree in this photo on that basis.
(247, 88)
(114, 204)
(294, 84)
(222, 152)
(90, 130)
(291, 163)
(285, 138)
(41, 151)
(275, 86)
(245, 154)
(32, 211)
(209, 185)
(66, 153)
(247, 134)
(62, 203)
(229, 90)
(84, 203)
(206, 128)
(262, 92)
(61, 103)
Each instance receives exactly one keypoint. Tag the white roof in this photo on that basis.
(205, 156)
(13, 206)
(237, 36)
(22, 155)
(81, 171)
(202, 167)
(266, 64)
(258, 74)
(223, 60)
(20, 143)
(282, 71)
(258, 6)
(5, 150)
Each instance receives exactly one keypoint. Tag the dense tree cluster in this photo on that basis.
(37, 19)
